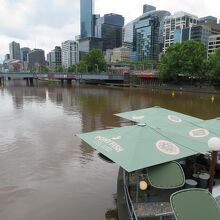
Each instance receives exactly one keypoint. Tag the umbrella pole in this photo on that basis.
(212, 170)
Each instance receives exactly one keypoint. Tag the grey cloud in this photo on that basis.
(15, 33)
(53, 14)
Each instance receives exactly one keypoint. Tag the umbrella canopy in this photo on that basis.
(159, 117)
(191, 132)
(197, 204)
(164, 136)
(213, 125)
(135, 147)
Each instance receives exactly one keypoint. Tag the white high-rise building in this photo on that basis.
(214, 43)
(178, 21)
(69, 53)
(14, 49)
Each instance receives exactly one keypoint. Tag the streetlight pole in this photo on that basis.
(214, 146)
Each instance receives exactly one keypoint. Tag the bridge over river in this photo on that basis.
(89, 77)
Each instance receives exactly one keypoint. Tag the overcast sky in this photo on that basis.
(46, 23)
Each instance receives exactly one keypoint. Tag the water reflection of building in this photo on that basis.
(21, 94)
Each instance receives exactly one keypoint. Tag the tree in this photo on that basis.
(187, 59)
(214, 65)
(94, 61)
(60, 69)
(71, 69)
(43, 69)
(170, 67)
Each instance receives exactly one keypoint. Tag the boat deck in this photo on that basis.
(152, 203)
(152, 209)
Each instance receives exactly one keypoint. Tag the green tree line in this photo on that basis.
(189, 59)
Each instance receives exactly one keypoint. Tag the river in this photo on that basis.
(46, 172)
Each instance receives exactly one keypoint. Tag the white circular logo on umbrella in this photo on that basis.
(199, 132)
(138, 117)
(116, 138)
(174, 118)
(167, 147)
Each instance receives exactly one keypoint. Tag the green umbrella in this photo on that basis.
(194, 204)
(159, 117)
(191, 132)
(136, 147)
(164, 136)
(213, 125)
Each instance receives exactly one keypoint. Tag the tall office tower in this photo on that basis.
(86, 18)
(147, 8)
(54, 58)
(95, 18)
(109, 29)
(14, 49)
(174, 25)
(24, 53)
(69, 53)
(148, 35)
(128, 35)
(36, 58)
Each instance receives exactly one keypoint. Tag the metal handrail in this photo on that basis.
(130, 206)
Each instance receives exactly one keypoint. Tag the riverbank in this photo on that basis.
(171, 87)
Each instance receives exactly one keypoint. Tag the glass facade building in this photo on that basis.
(147, 8)
(128, 35)
(86, 18)
(199, 33)
(144, 35)
(148, 35)
(180, 20)
(109, 29)
(24, 53)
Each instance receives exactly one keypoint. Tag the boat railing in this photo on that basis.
(132, 214)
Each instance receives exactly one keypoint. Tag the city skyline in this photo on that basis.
(30, 24)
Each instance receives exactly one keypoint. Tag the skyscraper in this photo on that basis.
(148, 35)
(86, 18)
(109, 29)
(24, 53)
(55, 57)
(36, 58)
(14, 49)
(174, 25)
(69, 53)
